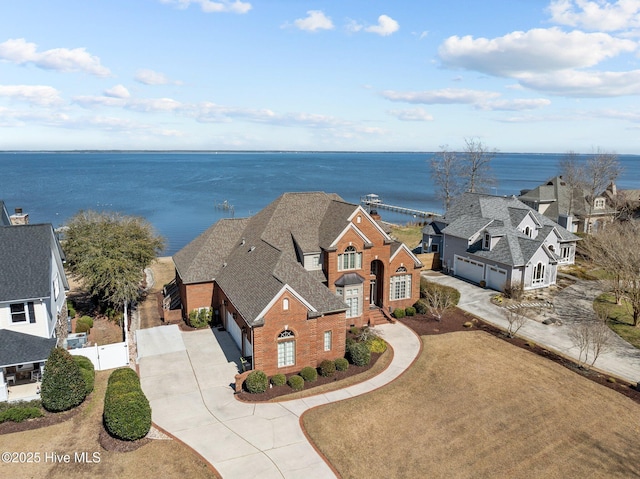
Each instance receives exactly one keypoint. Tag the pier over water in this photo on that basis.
(374, 202)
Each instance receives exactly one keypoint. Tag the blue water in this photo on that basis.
(178, 191)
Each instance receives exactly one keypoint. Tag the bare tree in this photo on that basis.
(600, 334)
(476, 171)
(445, 174)
(439, 300)
(601, 170)
(572, 173)
(516, 318)
(580, 336)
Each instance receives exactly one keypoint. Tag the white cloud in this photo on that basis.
(314, 21)
(534, 51)
(353, 26)
(583, 84)
(118, 91)
(519, 104)
(88, 101)
(209, 6)
(596, 15)
(151, 77)
(34, 94)
(149, 105)
(414, 114)
(19, 51)
(443, 96)
(386, 26)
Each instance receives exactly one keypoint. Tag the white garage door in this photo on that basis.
(469, 269)
(496, 278)
(234, 330)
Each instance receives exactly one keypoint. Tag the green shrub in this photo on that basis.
(71, 311)
(421, 306)
(410, 311)
(296, 382)
(127, 413)
(327, 368)
(354, 330)
(278, 379)
(309, 374)
(377, 345)
(82, 327)
(360, 354)
(256, 382)
(398, 313)
(63, 386)
(88, 372)
(19, 414)
(86, 319)
(342, 364)
(201, 318)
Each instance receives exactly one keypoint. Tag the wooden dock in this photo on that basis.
(372, 201)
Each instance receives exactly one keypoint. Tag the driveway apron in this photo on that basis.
(188, 379)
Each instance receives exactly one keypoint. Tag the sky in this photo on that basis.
(332, 75)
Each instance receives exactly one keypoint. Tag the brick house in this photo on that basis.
(288, 282)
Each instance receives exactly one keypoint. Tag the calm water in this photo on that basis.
(178, 192)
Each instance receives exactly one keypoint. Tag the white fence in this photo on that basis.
(104, 357)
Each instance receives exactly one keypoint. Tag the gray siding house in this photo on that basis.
(499, 241)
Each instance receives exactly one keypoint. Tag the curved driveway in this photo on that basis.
(188, 379)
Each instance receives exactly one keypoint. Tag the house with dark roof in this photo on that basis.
(572, 207)
(499, 241)
(288, 282)
(33, 310)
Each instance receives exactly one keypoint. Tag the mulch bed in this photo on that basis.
(454, 321)
(278, 391)
(110, 443)
(49, 419)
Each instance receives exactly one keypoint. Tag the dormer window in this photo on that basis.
(527, 231)
(598, 203)
(487, 241)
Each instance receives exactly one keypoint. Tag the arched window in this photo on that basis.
(350, 259)
(285, 304)
(286, 349)
(527, 231)
(538, 274)
(400, 285)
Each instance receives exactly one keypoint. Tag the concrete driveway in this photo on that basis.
(188, 379)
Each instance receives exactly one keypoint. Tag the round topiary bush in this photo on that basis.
(296, 382)
(88, 372)
(327, 368)
(410, 311)
(421, 306)
(256, 382)
(342, 364)
(398, 313)
(360, 354)
(309, 374)
(86, 320)
(82, 327)
(278, 379)
(63, 386)
(127, 415)
(377, 345)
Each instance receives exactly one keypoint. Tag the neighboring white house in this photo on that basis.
(33, 311)
(499, 241)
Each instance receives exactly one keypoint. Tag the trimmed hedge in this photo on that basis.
(309, 374)
(327, 368)
(82, 327)
(200, 318)
(63, 386)
(256, 382)
(342, 364)
(278, 379)
(398, 313)
(296, 382)
(360, 354)
(410, 311)
(19, 414)
(88, 372)
(127, 413)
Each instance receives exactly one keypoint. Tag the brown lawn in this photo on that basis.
(163, 272)
(156, 458)
(474, 406)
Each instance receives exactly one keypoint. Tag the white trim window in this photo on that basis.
(327, 340)
(56, 287)
(286, 349)
(400, 285)
(350, 259)
(599, 203)
(538, 274)
(22, 312)
(352, 298)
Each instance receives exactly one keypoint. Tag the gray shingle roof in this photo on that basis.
(20, 348)
(4, 215)
(253, 272)
(25, 259)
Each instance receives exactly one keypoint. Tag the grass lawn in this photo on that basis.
(410, 235)
(158, 458)
(621, 320)
(474, 406)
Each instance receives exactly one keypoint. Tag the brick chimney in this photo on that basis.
(19, 218)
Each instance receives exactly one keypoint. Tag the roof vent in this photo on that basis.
(224, 265)
(251, 249)
(242, 242)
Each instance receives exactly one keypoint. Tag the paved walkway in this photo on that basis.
(187, 377)
(572, 304)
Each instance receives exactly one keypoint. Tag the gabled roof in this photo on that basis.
(21, 348)
(4, 215)
(25, 261)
